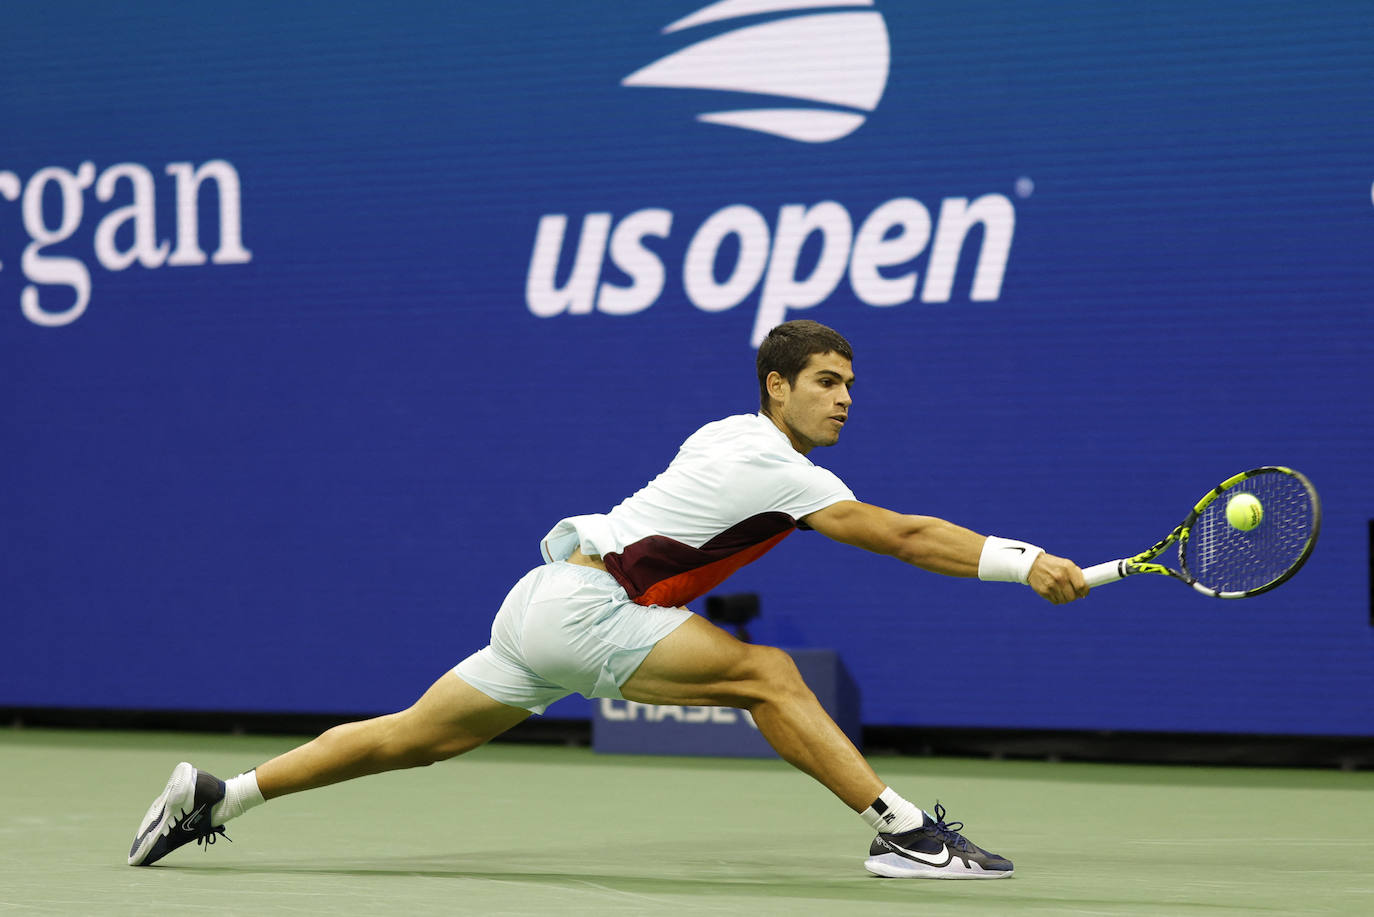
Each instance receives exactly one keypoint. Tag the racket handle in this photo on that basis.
(1101, 574)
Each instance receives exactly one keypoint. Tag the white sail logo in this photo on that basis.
(836, 59)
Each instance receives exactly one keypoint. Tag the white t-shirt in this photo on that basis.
(735, 489)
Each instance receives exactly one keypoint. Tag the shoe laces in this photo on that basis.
(948, 832)
(205, 840)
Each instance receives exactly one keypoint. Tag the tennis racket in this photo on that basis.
(1220, 560)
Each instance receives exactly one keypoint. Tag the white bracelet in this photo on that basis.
(1007, 561)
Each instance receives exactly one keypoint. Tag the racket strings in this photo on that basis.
(1227, 559)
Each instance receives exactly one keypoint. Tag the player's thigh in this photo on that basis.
(700, 664)
(454, 717)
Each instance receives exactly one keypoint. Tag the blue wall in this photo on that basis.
(290, 399)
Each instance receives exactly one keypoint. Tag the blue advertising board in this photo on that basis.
(315, 318)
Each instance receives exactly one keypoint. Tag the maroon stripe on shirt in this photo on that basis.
(656, 559)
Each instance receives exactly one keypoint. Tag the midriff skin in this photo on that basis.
(586, 560)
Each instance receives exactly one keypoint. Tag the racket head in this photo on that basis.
(1221, 560)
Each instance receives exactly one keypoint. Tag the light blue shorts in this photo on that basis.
(565, 628)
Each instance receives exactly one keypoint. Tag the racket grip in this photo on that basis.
(1101, 574)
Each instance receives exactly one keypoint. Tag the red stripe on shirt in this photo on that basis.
(662, 571)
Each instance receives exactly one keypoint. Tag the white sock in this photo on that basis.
(241, 793)
(891, 814)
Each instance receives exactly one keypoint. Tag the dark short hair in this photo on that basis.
(788, 347)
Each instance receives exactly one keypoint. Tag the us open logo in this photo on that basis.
(837, 59)
(823, 65)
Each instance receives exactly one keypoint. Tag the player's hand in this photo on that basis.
(1057, 579)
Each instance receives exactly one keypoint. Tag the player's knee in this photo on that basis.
(447, 747)
(776, 673)
(413, 743)
(422, 752)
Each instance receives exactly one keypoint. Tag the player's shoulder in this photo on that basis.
(734, 425)
(747, 439)
(738, 433)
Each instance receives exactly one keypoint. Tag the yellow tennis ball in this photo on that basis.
(1244, 511)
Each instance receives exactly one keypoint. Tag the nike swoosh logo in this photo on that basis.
(1015, 548)
(949, 855)
(189, 825)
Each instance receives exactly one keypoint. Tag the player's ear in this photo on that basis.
(777, 386)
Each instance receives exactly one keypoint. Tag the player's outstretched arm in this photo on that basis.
(942, 547)
(922, 541)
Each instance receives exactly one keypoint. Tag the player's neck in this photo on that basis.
(800, 446)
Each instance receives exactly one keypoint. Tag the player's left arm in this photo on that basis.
(940, 546)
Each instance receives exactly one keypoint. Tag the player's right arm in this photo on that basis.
(936, 545)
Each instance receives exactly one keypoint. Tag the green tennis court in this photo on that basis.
(517, 829)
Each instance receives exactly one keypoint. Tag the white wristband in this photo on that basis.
(1007, 561)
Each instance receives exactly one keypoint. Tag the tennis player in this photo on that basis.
(604, 617)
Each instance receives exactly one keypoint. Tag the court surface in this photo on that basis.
(513, 829)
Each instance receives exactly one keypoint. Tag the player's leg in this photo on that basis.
(700, 664)
(483, 696)
(452, 717)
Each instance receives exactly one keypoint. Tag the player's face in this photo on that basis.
(814, 409)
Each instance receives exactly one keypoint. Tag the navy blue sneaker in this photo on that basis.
(180, 815)
(935, 850)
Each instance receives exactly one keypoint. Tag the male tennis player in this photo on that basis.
(603, 617)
